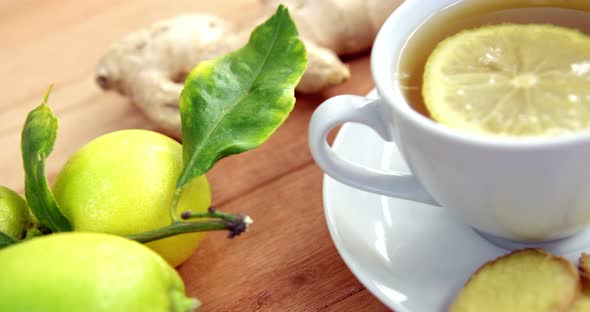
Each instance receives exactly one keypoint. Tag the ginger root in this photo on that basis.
(149, 66)
(342, 26)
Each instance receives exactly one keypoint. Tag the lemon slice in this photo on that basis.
(511, 80)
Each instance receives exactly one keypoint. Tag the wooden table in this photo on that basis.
(287, 262)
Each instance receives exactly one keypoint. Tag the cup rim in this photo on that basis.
(380, 55)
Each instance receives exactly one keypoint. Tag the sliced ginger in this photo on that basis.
(585, 271)
(582, 303)
(524, 280)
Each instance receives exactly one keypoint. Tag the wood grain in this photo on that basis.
(287, 262)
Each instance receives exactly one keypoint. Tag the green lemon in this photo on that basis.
(123, 182)
(89, 272)
(14, 213)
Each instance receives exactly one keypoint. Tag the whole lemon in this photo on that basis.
(123, 183)
(89, 272)
(14, 213)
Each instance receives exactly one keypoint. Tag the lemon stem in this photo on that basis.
(174, 205)
(211, 213)
(214, 221)
(177, 228)
(236, 224)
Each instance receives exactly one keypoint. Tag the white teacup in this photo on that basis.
(525, 190)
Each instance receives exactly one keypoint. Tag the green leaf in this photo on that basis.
(234, 103)
(6, 240)
(37, 141)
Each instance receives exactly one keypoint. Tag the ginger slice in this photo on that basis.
(585, 271)
(582, 303)
(523, 280)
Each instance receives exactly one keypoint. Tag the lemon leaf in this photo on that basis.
(37, 139)
(6, 240)
(234, 103)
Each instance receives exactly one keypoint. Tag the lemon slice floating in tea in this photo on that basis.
(511, 80)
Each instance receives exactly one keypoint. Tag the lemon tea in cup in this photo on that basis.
(513, 68)
(527, 190)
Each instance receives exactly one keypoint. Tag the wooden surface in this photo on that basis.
(287, 262)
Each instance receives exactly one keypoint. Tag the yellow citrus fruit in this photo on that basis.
(511, 80)
(88, 272)
(14, 213)
(123, 182)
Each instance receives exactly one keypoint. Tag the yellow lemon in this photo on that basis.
(511, 80)
(123, 183)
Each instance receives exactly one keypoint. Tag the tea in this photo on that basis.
(469, 14)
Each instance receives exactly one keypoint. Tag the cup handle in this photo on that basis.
(350, 108)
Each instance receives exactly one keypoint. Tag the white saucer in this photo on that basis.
(413, 257)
